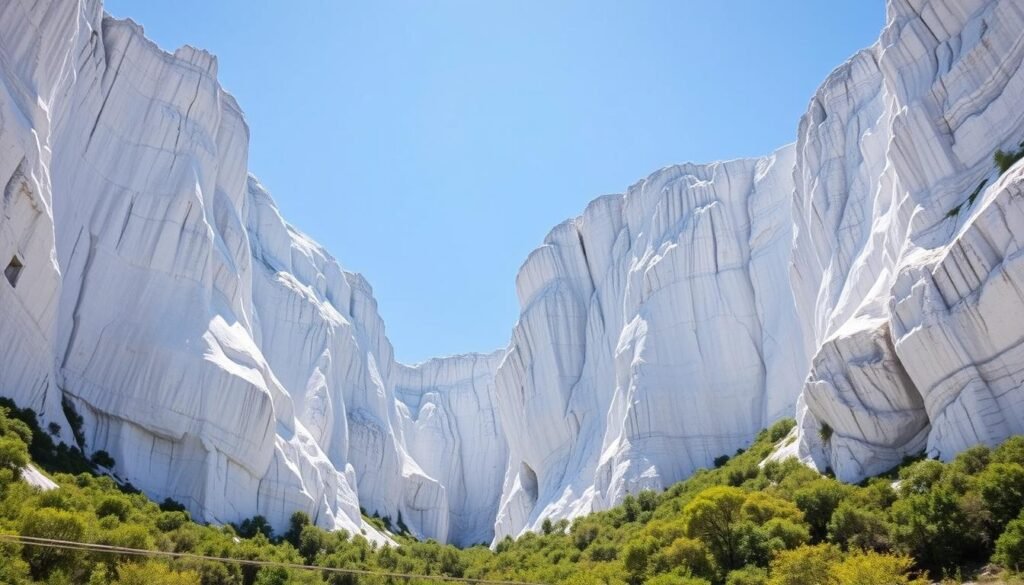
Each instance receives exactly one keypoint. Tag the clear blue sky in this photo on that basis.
(431, 144)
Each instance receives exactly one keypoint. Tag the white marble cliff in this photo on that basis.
(858, 279)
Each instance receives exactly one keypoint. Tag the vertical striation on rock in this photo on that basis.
(223, 358)
(867, 277)
(896, 255)
(657, 333)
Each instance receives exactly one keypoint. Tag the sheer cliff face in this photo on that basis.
(904, 262)
(227, 361)
(221, 357)
(657, 333)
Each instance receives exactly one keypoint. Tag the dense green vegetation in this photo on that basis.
(738, 524)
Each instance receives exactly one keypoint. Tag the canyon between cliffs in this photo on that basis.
(866, 280)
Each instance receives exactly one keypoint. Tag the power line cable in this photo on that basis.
(95, 547)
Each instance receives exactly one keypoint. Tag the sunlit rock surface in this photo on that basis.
(866, 278)
(220, 356)
(905, 263)
(657, 333)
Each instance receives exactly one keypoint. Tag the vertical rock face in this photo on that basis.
(451, 428)
(867, 277)
(903, 262)
(657, 333)
(222, 358)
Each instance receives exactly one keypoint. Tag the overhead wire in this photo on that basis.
(106, 548)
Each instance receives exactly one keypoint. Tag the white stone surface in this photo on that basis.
(912, 310)
(37, 479)
(226, 360)
(658, 332)
(220, 356)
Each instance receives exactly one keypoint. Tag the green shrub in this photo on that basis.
(749, 575)
(58, 525)
(1006, 159)
(713, 517)
(1002, 488)
(866, 568)
(171, 505)
(584, 532)
(1010, 546)
(102, 459)
(168, 521)
(1011, 451)
(75, 420)
(115, 506)
(825, 432)
(780, 429)
(725, 525)
(634, 559)
(818, 500)
(153, 573)
(855, 526)
(648, 500)
(13, 455)
(807, 565)
(250, 527)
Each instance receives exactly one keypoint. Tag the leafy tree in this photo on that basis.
(647, 500)
(631, 507)
(296, 523)
(724, 525)
(172, 505)
(806, 565)
(169, 521)
(755, 545)
(973, 460)
(930, 527)
(687, 555)
(583, 578)
(52, 524)
(749, 575)
(102, 459)
(760, 507)
(855, 526)
(100, 575)
(258, 524)
(785, 533)
(272, 576)
(603, 552)
(584, 532)
(919, 477)
(713, 516)
(1010, 546)
(13, 455)
(13, 569)
(153, 573)
(1002, 488)
(126, 536)
(870, 568)
(1010, 451)
(818, 500)
(10, 425)
(674, 579)
(634, 559)
(115, 506)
